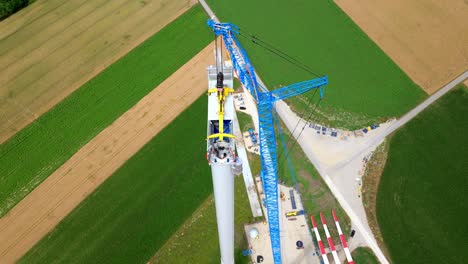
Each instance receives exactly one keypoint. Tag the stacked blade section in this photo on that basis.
(349, 258)
(330, 240)
(319, 241)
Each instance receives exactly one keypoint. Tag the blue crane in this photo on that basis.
(265, 101)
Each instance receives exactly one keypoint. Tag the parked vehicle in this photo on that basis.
(294, 213)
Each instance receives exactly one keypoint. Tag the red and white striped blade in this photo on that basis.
(319, 241)
(349, 258)
(330, 240)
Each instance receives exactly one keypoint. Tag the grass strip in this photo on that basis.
(364, 255)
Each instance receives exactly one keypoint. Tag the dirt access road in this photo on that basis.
(427, 39)
(51, 48)
(60, 193)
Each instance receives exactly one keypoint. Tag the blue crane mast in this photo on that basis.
(265, 101)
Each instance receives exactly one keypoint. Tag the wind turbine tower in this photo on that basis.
(221, 154)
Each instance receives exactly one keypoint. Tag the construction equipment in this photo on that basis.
(265, 100)
(222, 92)
(293, 200)
(295, 213)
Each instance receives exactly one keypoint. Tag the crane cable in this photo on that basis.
(298, 121)
(283, 142)
(216, 52)
(303, 66)
(219, 60)
(302, 130)
(271, 48)
(288, 58)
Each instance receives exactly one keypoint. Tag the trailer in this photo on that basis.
(293, 200)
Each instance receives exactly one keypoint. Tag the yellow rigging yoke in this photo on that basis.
(222, 94)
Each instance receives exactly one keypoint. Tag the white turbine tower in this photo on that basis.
(221, 152)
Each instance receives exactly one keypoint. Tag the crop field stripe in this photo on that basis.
(139, 208)
(83, 21)
(421, 200)
(38, 31)
(36, 52)
(38, 58)
(27, 16)
(58, 57)
(35, 152)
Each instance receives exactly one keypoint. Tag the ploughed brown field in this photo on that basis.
(427, 39)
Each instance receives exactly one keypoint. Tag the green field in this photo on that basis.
(190, 241)
(38, 150)
(364, 255)
(133, 213)
(421, 202)
(365, 84)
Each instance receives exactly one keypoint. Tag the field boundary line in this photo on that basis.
(7, 133)
(39, 212)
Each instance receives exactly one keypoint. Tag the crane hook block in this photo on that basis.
(219, 80)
